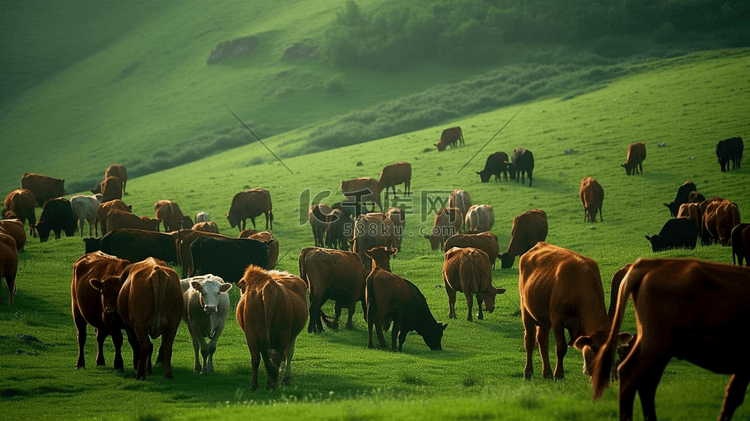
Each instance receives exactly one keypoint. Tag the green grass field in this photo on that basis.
(688, 103)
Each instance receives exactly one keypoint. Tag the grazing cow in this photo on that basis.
(362, 190)
(227, 258)
(695, 197)
(528, 229)
(202, 217)
(169, 213)
(496, 163)
(14, 228)
(741, 244)
(122, 219)
(22, 203)
(8, 264)
(719, 218)
(339, 230)
(447, 223)
(393, 175)
(317, 215)
(84, 208)
(389, 297)
(485, 241)
(119, 171)
(480, 218)
(43, 187)
(676, 233)
(730, 150)
(335, 275)
(689, 309)
(372, 230)
(592, 197)
(523, 163)
(635, 158)
(460, 199)
(272, 247)
(150, 304)
(271, 312)
(449, 137)
(111, 189)
(560, 290)
(683, 192)
(691, 211)
(136, 244)
(205, 312)
(57, 216)
(96, 283)
(398, 217)
(249, 204)
(103, 210)
(183, 240)
(468, 270)
(207, 227)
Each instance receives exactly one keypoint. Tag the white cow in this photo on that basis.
(205, 311)
(84, 208)
(480, 218)
(202, 217)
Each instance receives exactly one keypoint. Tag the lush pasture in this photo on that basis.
(688, 104)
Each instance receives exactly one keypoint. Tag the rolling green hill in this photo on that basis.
(686, 103)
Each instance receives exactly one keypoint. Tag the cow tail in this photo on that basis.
(370, 302)
(605, 358)
(159, 282)
(271, 300)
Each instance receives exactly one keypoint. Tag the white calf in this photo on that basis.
(84, 208)
(202, 217)
(205, 311)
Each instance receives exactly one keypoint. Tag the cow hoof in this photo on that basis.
(528, 375)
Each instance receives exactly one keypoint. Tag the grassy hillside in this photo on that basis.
(687, 103)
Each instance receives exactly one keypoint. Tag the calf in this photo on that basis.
(103, 210)
(111, 188)
(676, 233)
(398, 217)
(84, 208)
(730, 150)
(150, 303)
(689, 309)
(205, 312)
(485, 241)
(635, 158)
(447, 223)
(393, 175)
(170, 214)
(22, 202)
(683, 195)
(460, 199)
(8, 265)
(119, 171)
(523, 163)
(528, 229)
(317, 216)
(450, 137)
(372, 230)
(468, 270)
(592, 197)
(339, 230)
(57, 216)
(496, 163)
(202, 217)
(480, 218)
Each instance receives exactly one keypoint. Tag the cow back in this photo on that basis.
(43, 187)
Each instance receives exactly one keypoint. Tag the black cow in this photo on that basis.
(523, 163)
(92, 244)
(136, 245)
(730, 150)
(57, 216)
(676, 233)
(740, 237)
(496, 163)
(351, 208)
(683, 193)
(227, 258)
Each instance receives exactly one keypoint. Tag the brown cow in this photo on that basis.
(479, 218)
(398, 217)
(119, 171)
(335, 275)
(528, 229)
(691, 211)
(111, 189)
(468, 270)
(247, 233)
(393, 175)
(8, 264)
(169, 213)
(207, 227)
(121, 219)
(719, 218)
(485, 241)
(460, 199)
(103, 210)
(449, 137)
(272, 313)
(389, 297)
(150, 304)
(635, 158)
(96, 283)
(592, 196)
(372, 230)
(362, 190)
(317, 215)
(273, 250)
(447, 223)
(340, 230)
(43, 187)
(183, 241)
(249, 204)
(689, 309)
(560, 290)
(14, 228)
(741, 244)
(22, 203)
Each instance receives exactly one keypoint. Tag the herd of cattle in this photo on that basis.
(123, 282)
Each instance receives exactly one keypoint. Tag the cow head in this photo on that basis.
(108, 289)
(234, 221)
(590, 346)
(441, 146)
(488, 297)
(210, 290)
(628, 168)
(381, 256)
(434, 336)
(435, 241)
(506, 260)
(484, 175)
(657, 243)
(43, 231)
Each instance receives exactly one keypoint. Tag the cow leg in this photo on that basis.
(315, 302)
(529, 339)
(134, 345)
(119, 365)
(351, 309)
(370, 322)
(542, 338)
(287, 378)
(81, 222)
(640, 372)
(379, 322)
(101, 335)
(208, 365)
(196, 349)
(401, 339)
(167, 340)
(451, 302)
(81, 325)
(272, 363)
(561, 348)
(470, 304)
(735, 395)
(146, 349)
(394, 333)
(255, 361)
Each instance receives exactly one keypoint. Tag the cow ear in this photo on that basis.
(96, 284)
(392, 251)
(241, 284)
(196, 285)
(225, 287)
(625, 338)
(444, 326)
(647, 237)
(582, 342)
